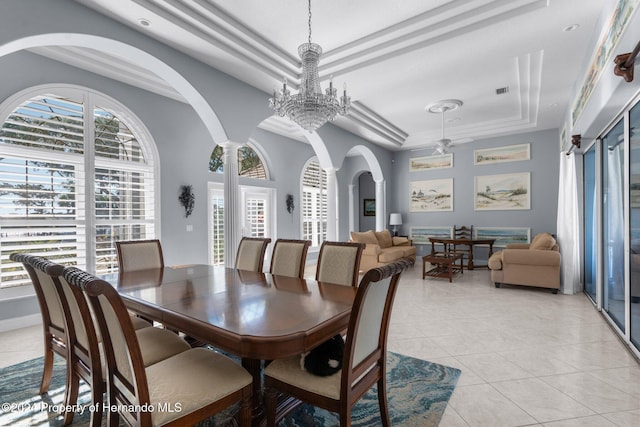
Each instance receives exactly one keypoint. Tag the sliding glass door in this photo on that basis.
(590, 224)
(613, 224)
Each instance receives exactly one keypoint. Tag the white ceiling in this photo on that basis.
(396, 56)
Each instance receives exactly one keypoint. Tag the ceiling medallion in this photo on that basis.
(443, 144)
(310, 108)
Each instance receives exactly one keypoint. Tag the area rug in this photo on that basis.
(417, 390)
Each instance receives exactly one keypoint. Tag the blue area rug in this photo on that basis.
(418, 392)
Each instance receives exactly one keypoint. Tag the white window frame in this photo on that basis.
(324, 213)
(90, 99)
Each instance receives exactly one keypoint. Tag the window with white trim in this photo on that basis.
(314, 203)
(250, 163)
(75, 177)
(216, 224)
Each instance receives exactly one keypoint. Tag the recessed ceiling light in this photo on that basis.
(570, 28)
(144, 22)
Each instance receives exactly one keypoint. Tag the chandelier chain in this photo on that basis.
(309, 21)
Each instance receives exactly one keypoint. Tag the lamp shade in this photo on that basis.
(395, 219)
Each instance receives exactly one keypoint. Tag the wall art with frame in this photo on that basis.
(431, 162)
(511, 191)
(369, 207)
(503, 235)
(433, 195)
(420, 235)
(508, 153)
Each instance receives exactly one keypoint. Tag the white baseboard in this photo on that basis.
(20, 322)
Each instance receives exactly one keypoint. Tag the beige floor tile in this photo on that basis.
(493, 367)
(593, 421)
(482, 405)
(450, 418)
(541, 401)
(593, 393)
(624, 419)
(539, 361)
(626, 379)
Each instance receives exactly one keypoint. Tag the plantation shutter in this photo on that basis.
(44, 203)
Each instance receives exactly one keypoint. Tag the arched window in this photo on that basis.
(76, 175)
(314, 203)
(250, 164)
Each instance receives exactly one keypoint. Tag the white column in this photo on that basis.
(232, 211)
(352, 209)
(381, 206)
(332, 205)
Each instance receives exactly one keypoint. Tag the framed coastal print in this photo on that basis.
(369, 207)
(430, 162)
(509, 191)
(503, 235)
(509, 153)
(434, 195)
(420, 235)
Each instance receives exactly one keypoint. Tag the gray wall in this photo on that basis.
(543, 166)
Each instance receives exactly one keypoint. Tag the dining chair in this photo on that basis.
(462, 233)
(180, 390)
(289, 257)
(55, 335)
(251, 252)
(134, 255)
(364, 360)
(84, 341)
(339, 262)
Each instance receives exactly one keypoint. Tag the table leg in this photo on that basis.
(254, 366)
(470, 264)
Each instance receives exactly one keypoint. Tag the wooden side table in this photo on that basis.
(443, 264)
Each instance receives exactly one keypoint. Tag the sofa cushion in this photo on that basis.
(384, 238)
(400, 241)
(543, 241)
(391, 254)
(408, 251)
(364, 237)
(495, 261)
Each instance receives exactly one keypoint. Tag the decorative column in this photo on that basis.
(381, 205)
(352, 208)
(231, 202)
(332, 205)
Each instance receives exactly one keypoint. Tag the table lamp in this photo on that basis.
(395, 219)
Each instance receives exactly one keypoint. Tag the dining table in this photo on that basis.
(255, 316)
(449, 242)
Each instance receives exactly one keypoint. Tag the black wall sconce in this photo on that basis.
(187, 199)
(290, 205)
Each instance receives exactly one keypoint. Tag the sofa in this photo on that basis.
(535, 264)
(381, 248)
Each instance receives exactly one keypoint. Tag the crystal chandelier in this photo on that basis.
(310, 108)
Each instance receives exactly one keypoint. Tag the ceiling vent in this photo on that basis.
(502, 90)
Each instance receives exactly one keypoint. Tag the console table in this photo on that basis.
(469, 242)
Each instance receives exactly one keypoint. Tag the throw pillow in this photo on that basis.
(364, 237)
(543, 241)
(384, 238)
(400, 241)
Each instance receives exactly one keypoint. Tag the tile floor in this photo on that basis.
(528, 357)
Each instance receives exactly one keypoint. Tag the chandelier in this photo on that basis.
(310, 108)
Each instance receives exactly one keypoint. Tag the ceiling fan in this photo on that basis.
(444, 144)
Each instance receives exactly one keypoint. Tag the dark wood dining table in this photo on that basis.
(255, 316)
(446, 242)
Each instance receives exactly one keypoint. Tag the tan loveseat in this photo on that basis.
(381, 248)
(534, 264)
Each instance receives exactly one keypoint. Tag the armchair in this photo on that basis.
(535, 264)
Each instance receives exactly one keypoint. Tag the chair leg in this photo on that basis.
(382, 402)
(271, 403)
(70, 393)
(97, 396)
(47, 371)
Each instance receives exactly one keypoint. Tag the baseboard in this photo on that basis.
(20, 322)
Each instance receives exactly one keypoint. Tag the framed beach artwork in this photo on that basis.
(509, 191)
(369, 207)
(434, 195)
(420, 235)
(509, 153)
(503, 235)
(431, 162)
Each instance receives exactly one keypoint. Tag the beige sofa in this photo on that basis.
(534, 264)
(382, 249)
